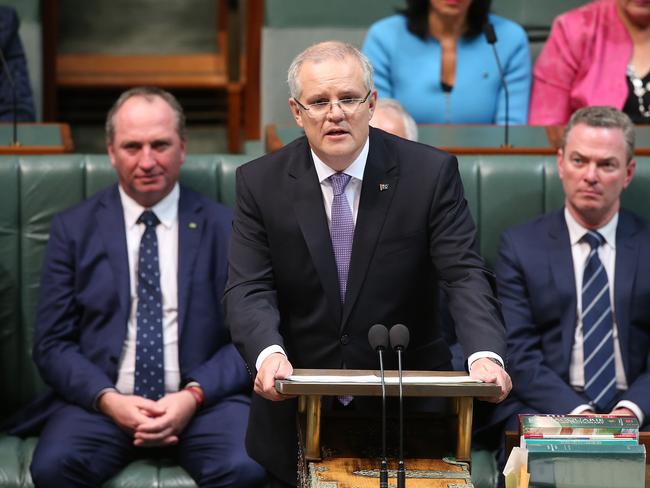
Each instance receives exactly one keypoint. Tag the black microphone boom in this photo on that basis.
(378, 339)
(491, 38)
(399, 340)
(10, 79)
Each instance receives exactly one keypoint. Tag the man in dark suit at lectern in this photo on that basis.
(343, 228)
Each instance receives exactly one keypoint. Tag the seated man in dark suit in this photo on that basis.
(129, 334)
(575, 285)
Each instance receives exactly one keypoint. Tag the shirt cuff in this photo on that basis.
(484, 354)
(580, 409)
(266, 352)
(632, 406)
(99, 395)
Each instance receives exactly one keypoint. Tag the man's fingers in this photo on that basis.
(276, 366)
(485, 370)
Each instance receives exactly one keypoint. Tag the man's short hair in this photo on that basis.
(323, 51)
(148, 93)
(607, 117)
(410, 127)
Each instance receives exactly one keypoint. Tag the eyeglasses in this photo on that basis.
(319, 109)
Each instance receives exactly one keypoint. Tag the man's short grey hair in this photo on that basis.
(603, 116)
(324, 51)
(148, 93)
(410, 127)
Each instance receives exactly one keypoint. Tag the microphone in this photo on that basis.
(378, 339)
(399, 340)
(7, 72)
(491, 37)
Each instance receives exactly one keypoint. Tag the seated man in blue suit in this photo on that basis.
(129, 334)
(575, 285)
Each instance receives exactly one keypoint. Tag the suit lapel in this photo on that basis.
(379, 185)
(312, 219)
(627, 250)
(191, 223)
(110, 222)
(561, 262)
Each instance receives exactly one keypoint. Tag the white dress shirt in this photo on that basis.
(167, 233)
(353, 195)
(607, 254)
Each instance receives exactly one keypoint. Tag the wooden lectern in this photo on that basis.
(322, 468)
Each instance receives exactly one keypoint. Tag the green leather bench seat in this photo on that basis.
(501, 191)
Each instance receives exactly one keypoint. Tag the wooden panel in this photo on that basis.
(170, 71)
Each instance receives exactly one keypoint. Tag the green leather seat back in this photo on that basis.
(11, 340)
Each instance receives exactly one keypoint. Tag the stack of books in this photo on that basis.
(583, 451)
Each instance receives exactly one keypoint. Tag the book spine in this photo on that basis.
(566, 424)
(580, 436)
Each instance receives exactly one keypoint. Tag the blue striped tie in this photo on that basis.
(598, 342)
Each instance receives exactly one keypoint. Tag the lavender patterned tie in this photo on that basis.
(342, 229)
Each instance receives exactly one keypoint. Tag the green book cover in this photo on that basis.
(586, 465)
(577, 424)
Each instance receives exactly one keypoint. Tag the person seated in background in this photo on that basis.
(129, 333)
(597, 54)
(390, 116)
(574, 286)
(14, 58)
(434, 59)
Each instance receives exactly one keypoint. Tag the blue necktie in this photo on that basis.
(342, 229)
(149, 356)
(598, 342)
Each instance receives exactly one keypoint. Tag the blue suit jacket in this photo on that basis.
(536, 284)
(84, 303)
(14, 54)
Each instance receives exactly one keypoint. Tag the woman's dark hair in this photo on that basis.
(417, 17)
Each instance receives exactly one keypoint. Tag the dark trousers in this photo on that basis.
(81, 448)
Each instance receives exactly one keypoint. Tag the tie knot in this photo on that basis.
(339, 182)
(148, 218)
(594, 239)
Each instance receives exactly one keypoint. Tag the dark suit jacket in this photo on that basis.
(536, 284)
(84, 303)
(283, 286)
(12, 50)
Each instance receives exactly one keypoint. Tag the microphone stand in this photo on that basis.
(383, 468)
(491, 37)
(401, 472)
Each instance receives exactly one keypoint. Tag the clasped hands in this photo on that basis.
(152, 423)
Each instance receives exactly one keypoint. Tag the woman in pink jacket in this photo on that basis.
(598, 54)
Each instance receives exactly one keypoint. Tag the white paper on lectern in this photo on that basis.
(407, 380)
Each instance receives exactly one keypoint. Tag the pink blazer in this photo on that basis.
(583, 63)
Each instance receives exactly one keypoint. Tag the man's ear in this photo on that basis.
(111, 153)
(295, 111)
(560, 163)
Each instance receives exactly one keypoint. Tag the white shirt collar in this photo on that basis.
(576, 231)
(355, 170)
(166, 209)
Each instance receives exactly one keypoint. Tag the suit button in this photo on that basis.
(345, 339)
(113, 359)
